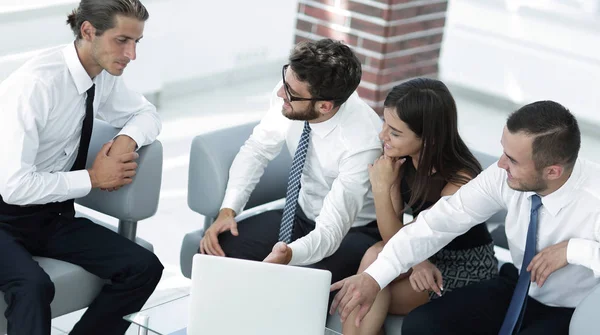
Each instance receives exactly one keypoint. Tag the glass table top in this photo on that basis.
(171, 318)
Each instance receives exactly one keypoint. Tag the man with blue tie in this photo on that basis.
(552, 226)
(47, 111)
(329, 215)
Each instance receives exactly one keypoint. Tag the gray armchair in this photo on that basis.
(585, 318)
(75, 287)
(210, 158)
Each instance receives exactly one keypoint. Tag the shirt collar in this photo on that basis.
(558, 199)
(326, 127)
(80, 77)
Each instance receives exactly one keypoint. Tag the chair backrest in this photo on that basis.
(484, 159)
(133, 202)
(496, 222)
(210, 159)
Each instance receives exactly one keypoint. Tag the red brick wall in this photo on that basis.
(394, 39)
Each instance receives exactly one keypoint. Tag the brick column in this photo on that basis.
(394, 39)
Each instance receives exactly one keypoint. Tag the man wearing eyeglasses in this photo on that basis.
(329, 217)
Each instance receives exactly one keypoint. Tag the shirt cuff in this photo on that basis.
(382, 271)
(79, 183)
(136, 135)
(579, 251)
(230, 201)
(299, 253)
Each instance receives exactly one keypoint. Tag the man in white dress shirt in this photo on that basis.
(332, 223)
(541, 142)
(47, 109)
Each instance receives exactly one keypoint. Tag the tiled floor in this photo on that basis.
(184, 117)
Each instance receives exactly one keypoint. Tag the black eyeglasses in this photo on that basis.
(294, 98)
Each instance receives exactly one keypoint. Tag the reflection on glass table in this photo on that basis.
(171, 318)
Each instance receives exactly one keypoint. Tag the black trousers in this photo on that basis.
(480, 309)
(258, 234)
(134, 272)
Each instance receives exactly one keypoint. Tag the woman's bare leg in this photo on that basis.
(397, 298)
(373, 321)
(404, 299)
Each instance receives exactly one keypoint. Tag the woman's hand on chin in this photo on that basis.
(384, 172)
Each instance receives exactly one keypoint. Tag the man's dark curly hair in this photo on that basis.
(330, 68)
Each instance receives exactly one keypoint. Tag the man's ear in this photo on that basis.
(87, 31)
(325, 107)
(554, 172)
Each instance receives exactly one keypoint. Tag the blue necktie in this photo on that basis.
(291, 197)
(516, 309)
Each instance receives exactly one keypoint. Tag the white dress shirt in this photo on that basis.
(571, 213)
(335, 187)
(42, 107)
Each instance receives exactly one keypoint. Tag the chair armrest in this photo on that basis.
(189, 248)
(269, 206)
(133, 202)
(585, 318)
(191, 241)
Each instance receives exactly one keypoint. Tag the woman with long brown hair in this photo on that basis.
(424, 159)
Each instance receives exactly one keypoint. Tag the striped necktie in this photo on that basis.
(291, 197)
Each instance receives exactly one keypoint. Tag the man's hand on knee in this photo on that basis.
(356, 292)
(210, 242)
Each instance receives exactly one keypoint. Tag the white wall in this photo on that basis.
(526, 50)
(523, 50)
(184, 40)
(200, 38)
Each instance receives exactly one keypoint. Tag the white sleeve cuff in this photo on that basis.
(300, 253)
(382, 271)
(79, 183)
(230, 201)
(580, 251)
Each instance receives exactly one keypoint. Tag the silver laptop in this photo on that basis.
(234, 297)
